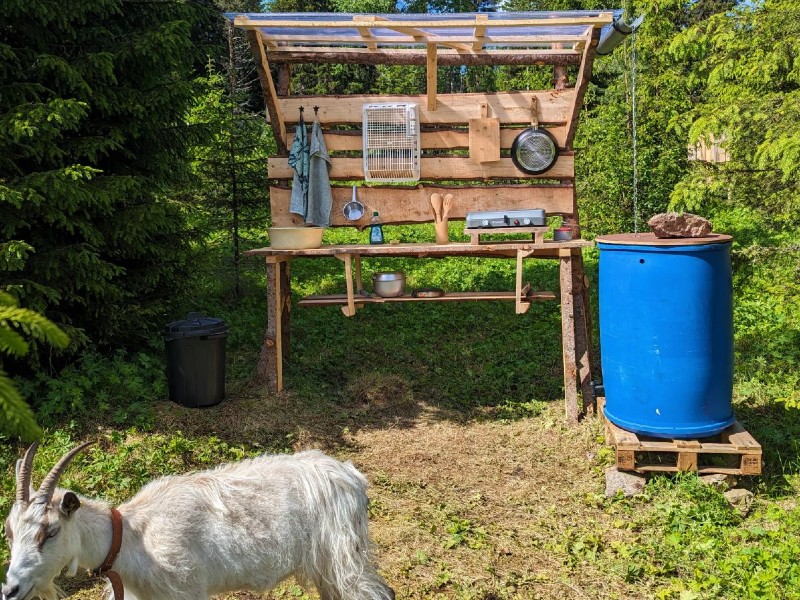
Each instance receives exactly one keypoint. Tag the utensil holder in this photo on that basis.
(442, 236)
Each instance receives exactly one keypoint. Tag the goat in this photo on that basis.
(242, 525)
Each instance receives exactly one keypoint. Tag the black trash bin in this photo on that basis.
(196, 360)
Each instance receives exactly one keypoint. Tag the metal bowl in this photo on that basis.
(389, 284)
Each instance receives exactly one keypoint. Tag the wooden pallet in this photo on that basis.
(732, 452)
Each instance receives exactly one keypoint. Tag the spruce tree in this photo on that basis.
(93, 141)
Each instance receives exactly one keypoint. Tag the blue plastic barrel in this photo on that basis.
(666, 333)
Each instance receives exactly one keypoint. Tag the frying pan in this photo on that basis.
(534, 150)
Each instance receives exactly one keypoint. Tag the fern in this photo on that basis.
(16, 417)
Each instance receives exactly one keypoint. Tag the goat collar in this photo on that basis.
(104, 570)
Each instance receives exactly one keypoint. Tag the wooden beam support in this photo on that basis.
(580, 85)
(365, 23)
(480, 31)
(268, 90)
(431, 76)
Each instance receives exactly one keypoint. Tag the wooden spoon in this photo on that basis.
(436, 204)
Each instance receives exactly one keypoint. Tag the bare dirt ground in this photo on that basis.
(480, 508)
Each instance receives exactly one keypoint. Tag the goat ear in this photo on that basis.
(69, 504)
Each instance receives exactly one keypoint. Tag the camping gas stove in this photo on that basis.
(498, 219)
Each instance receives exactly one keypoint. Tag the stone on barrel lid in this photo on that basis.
(679, 225)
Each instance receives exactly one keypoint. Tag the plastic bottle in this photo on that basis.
(375, 229)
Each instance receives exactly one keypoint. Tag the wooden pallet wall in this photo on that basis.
(444, 138)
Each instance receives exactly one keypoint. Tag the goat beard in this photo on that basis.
(50, 592)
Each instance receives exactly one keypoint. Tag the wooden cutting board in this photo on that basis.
(484, 137)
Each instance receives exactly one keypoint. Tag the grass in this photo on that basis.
(478, 489)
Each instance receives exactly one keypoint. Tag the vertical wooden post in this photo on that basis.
(583, 337)
(286, 311)
(432, 74)
(568, 336)
(270, 363)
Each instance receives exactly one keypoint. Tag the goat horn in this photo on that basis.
(45, 493)
(24, 474)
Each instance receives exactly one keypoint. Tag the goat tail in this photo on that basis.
(342, 554)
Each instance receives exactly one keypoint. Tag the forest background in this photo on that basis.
(132, 176)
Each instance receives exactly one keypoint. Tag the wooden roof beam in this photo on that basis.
(461, 43)
(444, 57)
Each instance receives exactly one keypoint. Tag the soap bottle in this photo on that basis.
(375, 229)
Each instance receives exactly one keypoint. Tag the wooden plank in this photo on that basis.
(409, 57)
(341, 299)
(440, 139)
(498, 249)
(268, 90)
(398, 205)
(434, 167)
(451, 109)
(431, 76)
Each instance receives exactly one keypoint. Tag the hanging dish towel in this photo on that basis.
(298, 160)
(320, 197)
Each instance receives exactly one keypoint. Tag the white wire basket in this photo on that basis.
(391, 142)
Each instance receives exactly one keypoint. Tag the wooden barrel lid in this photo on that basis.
(650, 239)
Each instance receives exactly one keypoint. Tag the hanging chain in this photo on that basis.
(633, 119)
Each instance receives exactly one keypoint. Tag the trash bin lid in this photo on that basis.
(194, 325)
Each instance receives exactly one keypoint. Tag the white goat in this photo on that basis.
(245, 525)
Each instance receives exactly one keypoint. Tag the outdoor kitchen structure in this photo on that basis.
(500, 161)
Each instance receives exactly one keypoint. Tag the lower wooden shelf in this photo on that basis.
(341, 299)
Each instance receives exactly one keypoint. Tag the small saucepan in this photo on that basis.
(353, 210)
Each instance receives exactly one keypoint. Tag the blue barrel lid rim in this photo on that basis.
(195, 325)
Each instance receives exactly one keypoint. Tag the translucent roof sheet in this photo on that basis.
(460, 31)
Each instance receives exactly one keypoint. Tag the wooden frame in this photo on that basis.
(447, 122)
